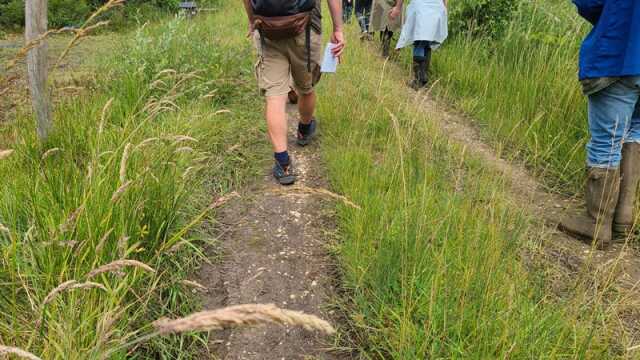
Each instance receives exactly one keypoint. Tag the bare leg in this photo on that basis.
(306, 107)
(276, 115)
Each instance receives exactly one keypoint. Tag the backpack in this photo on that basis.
(283, 19)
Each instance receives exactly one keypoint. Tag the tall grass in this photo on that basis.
(523, 89)
(432, 260)
(128, 174)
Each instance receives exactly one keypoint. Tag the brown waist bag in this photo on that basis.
(285, 27)
(282, 27)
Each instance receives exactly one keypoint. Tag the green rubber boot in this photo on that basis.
(629, 179)
(602, 193)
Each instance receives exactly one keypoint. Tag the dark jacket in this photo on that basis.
(612, 49)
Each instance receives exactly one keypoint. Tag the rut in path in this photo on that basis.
(571, 260)
(275, 249)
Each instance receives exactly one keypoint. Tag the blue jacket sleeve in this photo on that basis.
(590, 9)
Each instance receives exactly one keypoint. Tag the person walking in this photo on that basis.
(347, 11)
(363, 14)
(610, 77)
(426, 28)
(382, 23)
(290, 48)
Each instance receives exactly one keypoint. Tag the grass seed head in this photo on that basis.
(70, 285)
(47, 154)
(123, 163)
(242, 316)
(6, 350)
(118, 193)
(118, 265)
(4, 154)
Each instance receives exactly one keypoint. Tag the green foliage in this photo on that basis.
(481, 17)
(87, 204)
(67, 12)
(11, 13)
(432, 260)
(524, 90)
(74, 12)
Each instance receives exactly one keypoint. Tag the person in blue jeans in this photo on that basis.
(610, 77)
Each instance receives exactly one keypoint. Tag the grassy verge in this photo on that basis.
(432, 261)
(523, 89)
(128, 174)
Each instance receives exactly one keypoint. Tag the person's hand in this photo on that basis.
(337, 38)
(394, 13)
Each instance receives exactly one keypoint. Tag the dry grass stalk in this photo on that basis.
(5, 154)
(5, 350)
(319, 191)
(71, 219)
(102, 241)
(123, 245)
(4, 229)
(194, 284)
(70, 285)
(118, 193)
(47, 154)
(223, 200)
(103, 115)
(242, 315)
(184, 149)
(120, 264)
(86, 28)
(105, 327)
(123, 163)
(146, 142)
(181, 138)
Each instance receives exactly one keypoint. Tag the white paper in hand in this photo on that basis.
(330, 62)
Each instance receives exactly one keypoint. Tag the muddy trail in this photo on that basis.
(274, 247)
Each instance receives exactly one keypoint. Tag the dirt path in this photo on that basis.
(573, 263)
(275, 249)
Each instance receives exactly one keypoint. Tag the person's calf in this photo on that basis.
(276, 116)
(307, 107)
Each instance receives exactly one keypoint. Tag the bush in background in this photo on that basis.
(73, 12)
(481, 17)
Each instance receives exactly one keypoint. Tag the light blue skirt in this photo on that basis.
(426, 20)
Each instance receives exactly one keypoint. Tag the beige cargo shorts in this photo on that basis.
(282, 64)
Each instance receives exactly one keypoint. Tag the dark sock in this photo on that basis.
(305, 128)
(282, 158)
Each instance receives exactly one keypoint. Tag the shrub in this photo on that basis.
(73, 12)
(481, 17)
(11, 13)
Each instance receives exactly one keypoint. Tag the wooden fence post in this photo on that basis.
(35, 27)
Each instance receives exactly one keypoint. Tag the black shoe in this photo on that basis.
(284, 174)
(305, 139)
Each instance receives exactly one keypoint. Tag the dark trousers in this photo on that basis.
(363, 13)
(347, 10)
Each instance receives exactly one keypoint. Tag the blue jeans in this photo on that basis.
(363, 13)
(614, 119)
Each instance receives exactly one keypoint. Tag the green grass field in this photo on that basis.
(524, 91)
(432, 263)
(128, 173)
